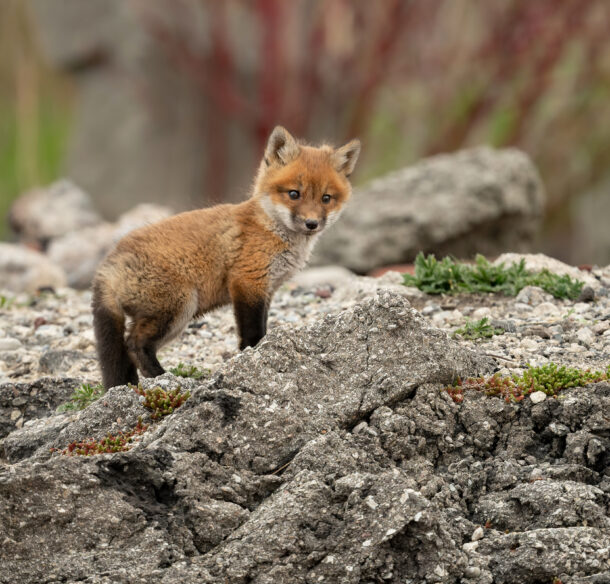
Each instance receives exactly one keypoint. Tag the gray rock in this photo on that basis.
(538, 397)
(36, 400)
(537, 331)
(475, 201)
(601, 327)
(585, 336)
(544, 503)
(507, 325)
(533, 295)
(43, 214)
(587, 294)
(334, 276)
(59, 361)
(538, 262)
(26, 270)
(10, 344)
(544, 553)
(79, 252)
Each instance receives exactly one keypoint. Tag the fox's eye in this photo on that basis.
(294, 195)
(326, 198)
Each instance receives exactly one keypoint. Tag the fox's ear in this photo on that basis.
(281, 147)
(346, 157)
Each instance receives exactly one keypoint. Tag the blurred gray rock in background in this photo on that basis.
(45, 213)
(474, 201)
(27, 270)
(79, 252)
(140, 215)
(62, 221)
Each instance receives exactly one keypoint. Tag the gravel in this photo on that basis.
(52, 332)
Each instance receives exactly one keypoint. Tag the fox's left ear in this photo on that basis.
(281, 147)
(346, 157)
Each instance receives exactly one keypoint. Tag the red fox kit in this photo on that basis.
(165, 274)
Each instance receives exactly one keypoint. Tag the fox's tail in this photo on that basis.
(109, 328)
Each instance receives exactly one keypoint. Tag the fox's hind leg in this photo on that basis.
(150, 333)
(143, 340)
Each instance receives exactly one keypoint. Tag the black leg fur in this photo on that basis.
(149, 364)
(115, 362)
(143, 340)
(251, 322)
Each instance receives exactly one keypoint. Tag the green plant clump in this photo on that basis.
(182, 370)
(550, 379)
(83, 396)
(449, 277)
(111, 443)
(161, 402)
(479, 329)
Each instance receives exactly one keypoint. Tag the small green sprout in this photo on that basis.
(6, 301)
(479, 329)
(83, 396)
(182, 370)
(160, 402)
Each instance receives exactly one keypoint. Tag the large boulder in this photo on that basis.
(475, 201)
(325, 454)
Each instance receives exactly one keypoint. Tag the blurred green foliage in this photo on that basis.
(44, 158)
(35, 110)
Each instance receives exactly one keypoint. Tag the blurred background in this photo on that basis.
(171, 101)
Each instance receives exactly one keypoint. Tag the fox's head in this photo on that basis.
(302, 188)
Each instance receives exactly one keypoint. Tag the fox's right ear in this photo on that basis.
(346, 157)
(281, 148)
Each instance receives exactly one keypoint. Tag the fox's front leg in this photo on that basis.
(250, 304)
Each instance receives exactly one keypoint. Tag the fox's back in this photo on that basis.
(170, 258)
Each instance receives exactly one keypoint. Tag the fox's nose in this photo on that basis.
(311, 224)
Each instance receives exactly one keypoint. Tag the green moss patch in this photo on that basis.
(550, 379)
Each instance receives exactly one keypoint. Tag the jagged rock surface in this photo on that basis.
(474, 201)
(327, 454)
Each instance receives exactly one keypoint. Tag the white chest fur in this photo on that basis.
(289, 262)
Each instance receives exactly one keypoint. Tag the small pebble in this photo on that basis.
(538, 397)
(587, 294)
(585, 336)
(10, 344)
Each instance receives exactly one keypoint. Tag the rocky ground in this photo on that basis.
(328, 454)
